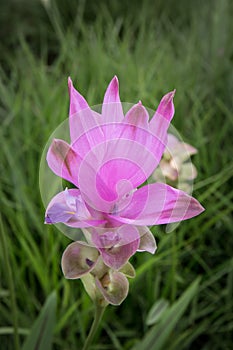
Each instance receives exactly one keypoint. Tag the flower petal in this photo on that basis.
(112, 109)
(147, 240)
(170, 169)
(185, 186)
(159, 204)
(114, 286)
(77, 101)
(78, 259)
(137, 116)
(190, 149)
(116, 247)
(83, 119)
(92, 290)
(179, 150)
(113, 170)
(128, 153)
(172, 143)
(187, 172)
(69, 208)
(128, 270)
(63, 161)
(112, 92)
(166, 106)
(160, 122)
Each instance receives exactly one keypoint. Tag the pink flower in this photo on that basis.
(109, 158)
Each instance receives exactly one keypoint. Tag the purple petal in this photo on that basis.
(159, 204)
(114, 286)
(112, 109)
(160, 122)
(63, 161)
(69, 208)
(83, 119)
(106, 240)
(78, 259)
(112, 92)
(137, 116)
(77, 101)
(116, 247)
(115, 166)
(166, 106)
(112, 170)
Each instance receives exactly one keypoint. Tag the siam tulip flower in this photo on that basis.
(175, 167)
(109, 158)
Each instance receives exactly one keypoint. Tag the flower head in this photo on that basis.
(110, 157)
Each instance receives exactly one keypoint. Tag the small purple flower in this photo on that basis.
(110, 157)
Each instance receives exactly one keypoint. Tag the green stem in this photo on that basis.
(99, 311)
(11, 286)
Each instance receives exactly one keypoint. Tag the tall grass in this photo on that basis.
(152, 49)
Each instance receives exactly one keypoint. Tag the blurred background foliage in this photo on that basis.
(153, 47)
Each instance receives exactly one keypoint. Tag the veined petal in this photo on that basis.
(147, 240)
(112, 170)
(114, 286)
(78, 259)
(112, 92)
(119, 133)
(137, 116)
(116, 247)
(128, 270)
(166, 106)
(63, 161)
(159, 204)
(77, 101)
(160, 122)
(112, 109)
(82, 119)
(69, 208)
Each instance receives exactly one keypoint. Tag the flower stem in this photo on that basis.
(10, 285)
(99, 311)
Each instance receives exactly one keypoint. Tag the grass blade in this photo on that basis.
(159, 334)
(40, 337)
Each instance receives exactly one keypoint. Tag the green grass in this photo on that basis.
(152, 49)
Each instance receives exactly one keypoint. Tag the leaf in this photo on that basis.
(40, 337)
(156, 312)
(157, 336)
